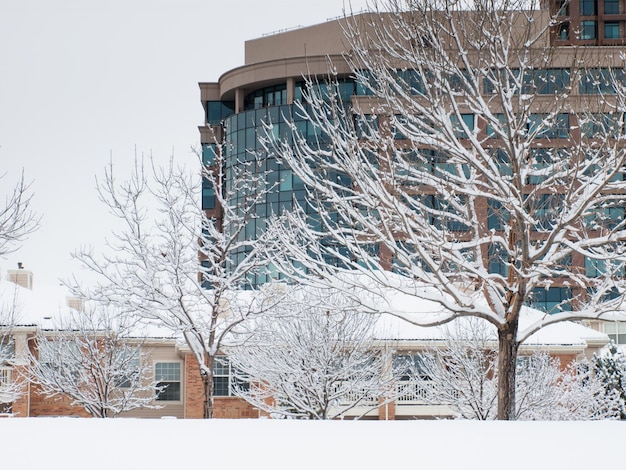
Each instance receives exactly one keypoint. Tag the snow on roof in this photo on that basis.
(38, 307)
(559, 334)
(398, 303)
(44, 307)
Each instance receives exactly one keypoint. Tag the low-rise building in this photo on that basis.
(174, 364)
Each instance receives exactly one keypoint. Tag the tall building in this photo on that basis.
(267, 86)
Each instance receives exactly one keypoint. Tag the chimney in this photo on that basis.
(75, 303)
(20, 276)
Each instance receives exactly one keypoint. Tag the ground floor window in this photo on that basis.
(616, 331)
(167, 375)
(225, 378)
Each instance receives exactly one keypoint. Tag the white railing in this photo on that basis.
(362, 396)
(413, 392)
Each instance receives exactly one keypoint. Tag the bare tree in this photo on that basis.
(97, 360)
(10, 382)
(173, 264)
(9, 388)
(463, 375)
(480, 163)
(17, 220)
(314, 357)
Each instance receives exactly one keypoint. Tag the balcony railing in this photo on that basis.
(413, 392)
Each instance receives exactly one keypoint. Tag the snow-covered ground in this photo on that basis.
(67, 443)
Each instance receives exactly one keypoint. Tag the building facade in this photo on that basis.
(174, 367)
(269, 86)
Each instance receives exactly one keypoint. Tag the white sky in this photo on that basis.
(82, 80)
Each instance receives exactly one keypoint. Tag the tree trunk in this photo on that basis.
(207, 382)
(507, 365)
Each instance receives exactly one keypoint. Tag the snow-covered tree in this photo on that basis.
(463, 375)
(17, 220)
(94, 359)
(174, 265)
(611, 370)
(8, 386)
(480, 163)
(10, 383)
(314, 357)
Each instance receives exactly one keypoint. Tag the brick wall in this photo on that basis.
(234, 408)
(193, 394)
(56, 406)
(224, 407)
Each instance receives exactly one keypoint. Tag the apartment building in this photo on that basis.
(269, 85)
(173, 365)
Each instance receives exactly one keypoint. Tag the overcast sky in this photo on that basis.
(82, 81)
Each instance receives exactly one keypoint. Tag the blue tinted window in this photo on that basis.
(217, 111)
(556, 127)
(611, 7)
(601, 81)
(497, 260)
(497, 216)
(588, 7)
(208, 195)
(588, 30)
(551, 300)
(208, 154)
(611, 30)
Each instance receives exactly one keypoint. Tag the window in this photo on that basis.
(616, 331)
(491, 133)
(497, 260)
(551, 300)
(563, 7)
(5, 377)
(225, 380)
(546, 81)
(217, 111)
(603, 267)
(167, 376)
(208, 154)
(496, 79)
(611, 30)
(269, 96)
(549, 127)
(602, 125)
(398, 123)
(497, 217)
(467, 120)
(601, 81)
(547, 163)
(545, 209)
(208, 194)
(607, 218)
(365, 125)
(128, 360)
(409, 366)
(611, 7)
(442, 213)
(434, 162)
(588, 30)
(563, 31)
(588, 7)
(410, 80)
(7, 350)
(366, 83)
